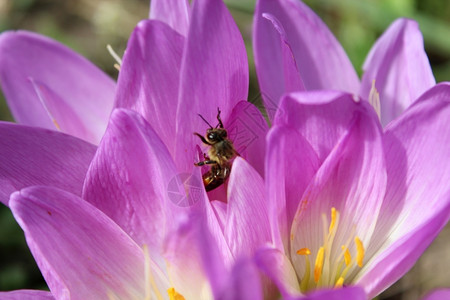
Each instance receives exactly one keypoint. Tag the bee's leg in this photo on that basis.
(218, 118)
(202, 138)
(205, 162)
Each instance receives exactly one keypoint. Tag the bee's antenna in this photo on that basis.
(218, 119)
(205, 121)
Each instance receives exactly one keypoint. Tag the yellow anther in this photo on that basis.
(303, 251)
(347, 256)
(333, 219)
(339, 283)
(359, 252)
(173, 295)
(319, 264)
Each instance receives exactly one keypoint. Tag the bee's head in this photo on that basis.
(214, 135)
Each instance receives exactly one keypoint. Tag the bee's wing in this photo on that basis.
(246, 128)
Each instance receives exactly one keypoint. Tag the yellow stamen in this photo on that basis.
(304, 251)
(40, 92)
(149, 276)
(319, 264)
(331, 268)
(359, 252)
(333, 219)
(374, 99)
(56, 124)
(347, 268)
(173, 295)
(347, 256)
(115, 56)
(339, 283)
(305, 280)
(338, 270)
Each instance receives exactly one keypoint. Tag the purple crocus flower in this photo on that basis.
(294, 51)
(135, 242)
(351, 204)
(103, 221)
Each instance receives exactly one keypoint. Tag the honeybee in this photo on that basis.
(220, 154)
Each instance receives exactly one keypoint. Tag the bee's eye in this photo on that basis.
(212, 136)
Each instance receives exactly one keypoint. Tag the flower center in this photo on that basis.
(331, 268)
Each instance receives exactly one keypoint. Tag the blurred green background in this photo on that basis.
(87, 26)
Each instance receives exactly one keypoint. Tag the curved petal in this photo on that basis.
(129, 179)
(290, 165)
(174, 13)
(45, 83)
(321, 60)
(247, 128)
(26, 295)
(81, 253)
(400, 67)
(400, 256)
(35, 156)
(194, 260)
(278, 268)
(416, 149)
(275, 62)
(342, 182)
(243, 283)
(247, 226)
(214, 74)
(321, 117)
(149, 77)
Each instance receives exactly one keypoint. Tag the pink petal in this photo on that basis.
(79, 250)
(342, 182)
(416, 147)
(247, 129)
(247, 226)
(290, 165)
(68, 89)
(278, 268)
(275, 63)
(220, 211)
(130, 178)
(400, 67)
(149, 76)
(310, 125)
(400, 256)
(26, 295)
(243, 283)
(214, 73)
(195, 263)
(174, 13)
(321, 61)
(321, 117)
(64, 118)
(34, 156)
